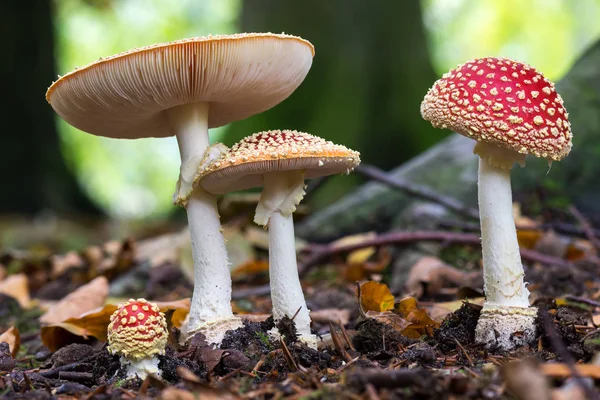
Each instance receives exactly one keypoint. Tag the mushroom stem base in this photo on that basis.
(309, 340)
(506, 328)
(141, 368)
(213, 331)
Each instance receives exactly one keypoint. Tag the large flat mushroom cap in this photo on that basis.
(271, 151)
(126, 95)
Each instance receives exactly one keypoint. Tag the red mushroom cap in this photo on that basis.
(502, 102)
(137, 330)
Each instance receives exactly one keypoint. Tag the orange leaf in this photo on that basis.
(420, 322)
(252, 267)
(375, 296)
(559, 370)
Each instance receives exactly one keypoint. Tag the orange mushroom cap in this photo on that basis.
(276, 150)
(502, 102)
(137, 330)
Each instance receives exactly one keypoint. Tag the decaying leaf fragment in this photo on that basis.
(13, 338)
(420, 323)
(17, 286)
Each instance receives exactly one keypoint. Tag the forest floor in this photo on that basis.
(415, 343)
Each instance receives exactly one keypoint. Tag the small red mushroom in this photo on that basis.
(138, 333)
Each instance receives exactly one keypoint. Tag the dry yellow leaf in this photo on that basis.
(17, 286)
(375, 296)
(13, 338)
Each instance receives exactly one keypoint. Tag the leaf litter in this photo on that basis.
(373, 343)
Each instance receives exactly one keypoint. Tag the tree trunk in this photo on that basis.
(33, 173)
(369, 75)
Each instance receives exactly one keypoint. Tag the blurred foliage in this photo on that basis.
(576, 178)
(352, 48)
(129, 178)
(548, 34)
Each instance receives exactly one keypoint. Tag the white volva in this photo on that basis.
(141, 368)
(210, 310)
(282, 192)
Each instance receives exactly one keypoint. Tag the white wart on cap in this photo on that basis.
(125, 95)
(502, 102)
(271, 151)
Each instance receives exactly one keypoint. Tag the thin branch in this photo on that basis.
(587, 227)
(322, 253)
(397, 238)
(421, 191)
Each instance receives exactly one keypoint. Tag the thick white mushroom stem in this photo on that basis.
(506, 309)
(282, 193)
(210, 310)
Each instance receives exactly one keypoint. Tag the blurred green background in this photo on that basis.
(374, 62)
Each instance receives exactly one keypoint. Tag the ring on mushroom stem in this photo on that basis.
(512, 110)
(279, 161)
(138, 333)
(183, 88)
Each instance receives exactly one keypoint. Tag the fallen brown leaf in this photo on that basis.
(439, 311)
(436, 274)
(87, 297)
(334, 315)
(525, 381)
(13, 338)
(17, 286)
(387, 317)
(420, 322)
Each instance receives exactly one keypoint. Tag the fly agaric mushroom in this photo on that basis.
(138, 333)
(512, 110)
(183, 88)
(279, 161)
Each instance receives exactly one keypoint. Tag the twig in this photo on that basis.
(75, 376)
(565, 355)
(585, 225)
(400, 237)
(557, 226)
(421, 191)
(582, 300)
(396, 238)
(467, 356)
(53, 373)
